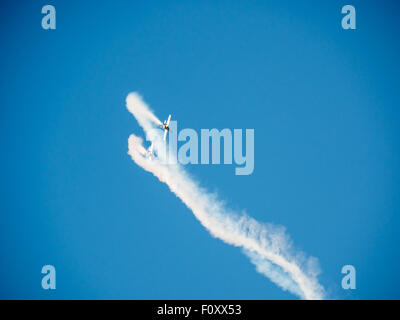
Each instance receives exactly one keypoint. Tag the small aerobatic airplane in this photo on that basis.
(165, 126)
(149, 153)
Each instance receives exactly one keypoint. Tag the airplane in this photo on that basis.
(149, 153)
(165, 126)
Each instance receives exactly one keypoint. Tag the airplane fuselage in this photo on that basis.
(165, 126)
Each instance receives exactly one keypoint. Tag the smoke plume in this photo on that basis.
(267, 246)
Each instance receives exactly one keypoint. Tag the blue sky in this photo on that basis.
(323, 101)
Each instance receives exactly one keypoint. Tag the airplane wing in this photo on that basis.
(169, 118)
(165, 134)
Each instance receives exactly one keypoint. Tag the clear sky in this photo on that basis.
(323, 101)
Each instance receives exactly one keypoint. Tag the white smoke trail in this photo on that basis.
(267, 246)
